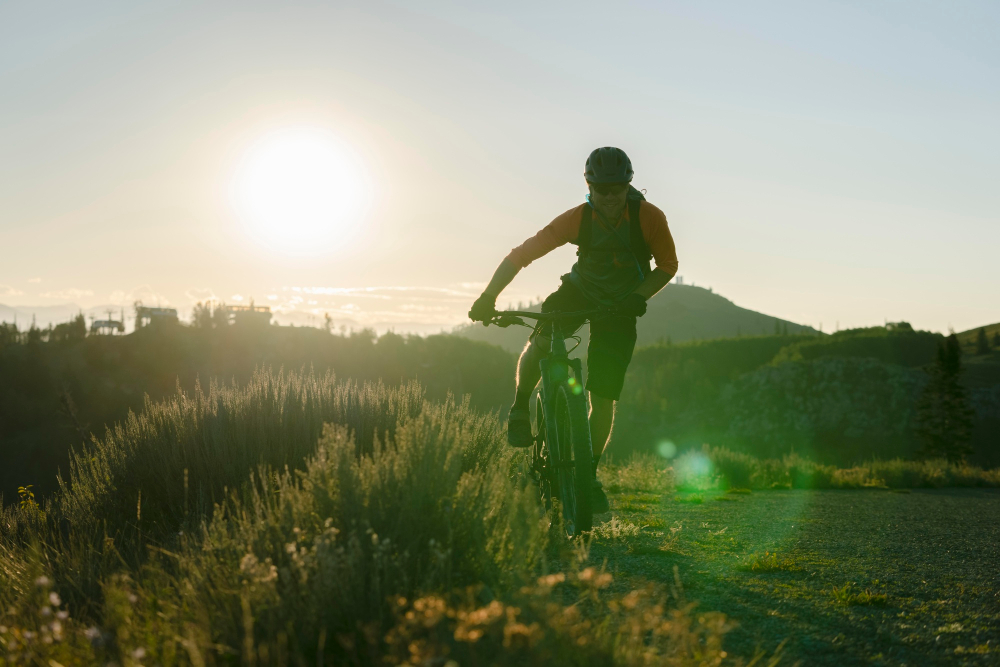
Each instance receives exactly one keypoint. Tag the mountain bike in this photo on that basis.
(562, 457)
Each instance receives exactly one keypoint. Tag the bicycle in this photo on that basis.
(562, 456)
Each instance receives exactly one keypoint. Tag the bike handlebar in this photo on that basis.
(506, 318)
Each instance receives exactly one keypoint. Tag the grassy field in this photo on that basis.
(301, 519)
(838, 576)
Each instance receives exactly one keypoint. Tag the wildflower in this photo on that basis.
(62, 615)
(46, 611)
(92, 633)
(42, 581)
(139, 653)
(133, 598)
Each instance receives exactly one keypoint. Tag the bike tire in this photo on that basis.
(576, 469)
(538, 453)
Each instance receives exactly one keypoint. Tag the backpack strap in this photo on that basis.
(586, 229)
(639, 246)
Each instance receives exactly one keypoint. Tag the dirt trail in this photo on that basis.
(846, 577)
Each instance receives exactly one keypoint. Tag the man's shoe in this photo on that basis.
(599, 501)
(519, 428)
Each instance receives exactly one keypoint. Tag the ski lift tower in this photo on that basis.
(108, 327)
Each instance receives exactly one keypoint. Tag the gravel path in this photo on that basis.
(933, 554)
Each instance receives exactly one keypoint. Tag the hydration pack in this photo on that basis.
(637, 243)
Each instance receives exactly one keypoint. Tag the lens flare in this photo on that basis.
(667, 449)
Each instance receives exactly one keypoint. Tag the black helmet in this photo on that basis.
(608, 165)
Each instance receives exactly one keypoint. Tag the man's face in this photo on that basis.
(609, 198)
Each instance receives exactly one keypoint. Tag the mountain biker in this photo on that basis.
(612, 270)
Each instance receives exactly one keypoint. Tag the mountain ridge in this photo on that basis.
(678, 314)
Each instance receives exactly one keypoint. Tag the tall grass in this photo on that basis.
(725, 468)
(291, 521)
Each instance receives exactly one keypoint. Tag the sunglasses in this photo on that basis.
(609, 188)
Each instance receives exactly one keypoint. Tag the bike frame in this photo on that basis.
(555, 373)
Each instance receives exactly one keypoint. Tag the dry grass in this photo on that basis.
(848, 595)
(769, 562)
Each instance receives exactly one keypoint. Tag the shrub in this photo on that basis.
(736, 469)
(638, 628)
(640, 473)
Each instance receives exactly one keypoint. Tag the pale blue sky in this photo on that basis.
(825, 162)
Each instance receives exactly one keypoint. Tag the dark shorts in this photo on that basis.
(612, 340)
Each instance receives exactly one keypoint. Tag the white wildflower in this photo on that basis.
(42, 581)
(55, 599)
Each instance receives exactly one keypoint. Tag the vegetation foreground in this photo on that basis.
(305, 520)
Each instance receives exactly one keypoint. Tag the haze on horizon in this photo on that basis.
(829, 162)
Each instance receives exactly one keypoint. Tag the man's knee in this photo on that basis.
(538, 346)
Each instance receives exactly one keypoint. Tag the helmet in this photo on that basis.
(608, 165)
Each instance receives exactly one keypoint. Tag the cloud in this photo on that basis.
(71, 294)
(7, 290)
(34, 280)
(144, 293)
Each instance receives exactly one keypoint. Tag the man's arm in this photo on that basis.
(502, 277)
(654, 282)
(486, 305)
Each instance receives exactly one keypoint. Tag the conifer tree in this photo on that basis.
(982, 343)
(996, 338)
(944, 415)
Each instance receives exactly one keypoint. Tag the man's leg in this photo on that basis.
(528, 374)
(602, 417)
(528, 370)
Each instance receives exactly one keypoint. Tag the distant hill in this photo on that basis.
(679, 313)
(981, 370)
(968, 338)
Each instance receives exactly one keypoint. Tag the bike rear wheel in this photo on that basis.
(575, 467)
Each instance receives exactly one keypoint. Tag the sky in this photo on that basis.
(829, 163)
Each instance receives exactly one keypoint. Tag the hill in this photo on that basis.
(678, 314)
(839, 398)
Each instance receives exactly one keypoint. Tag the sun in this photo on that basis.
(301, 191)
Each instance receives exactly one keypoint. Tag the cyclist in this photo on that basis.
(617, 233)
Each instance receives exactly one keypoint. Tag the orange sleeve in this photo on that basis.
(658, 238)
(564, 229)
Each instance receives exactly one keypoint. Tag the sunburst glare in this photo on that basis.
(301, 191)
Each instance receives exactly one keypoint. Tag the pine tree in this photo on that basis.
(944, 415)
(201, 316)
(996, 338)
(982, 343)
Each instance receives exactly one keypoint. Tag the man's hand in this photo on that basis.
(634, 305)
(484, 308)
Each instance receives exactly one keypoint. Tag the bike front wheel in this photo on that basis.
(575, 467)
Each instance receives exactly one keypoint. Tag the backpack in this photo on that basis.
(637, 244)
